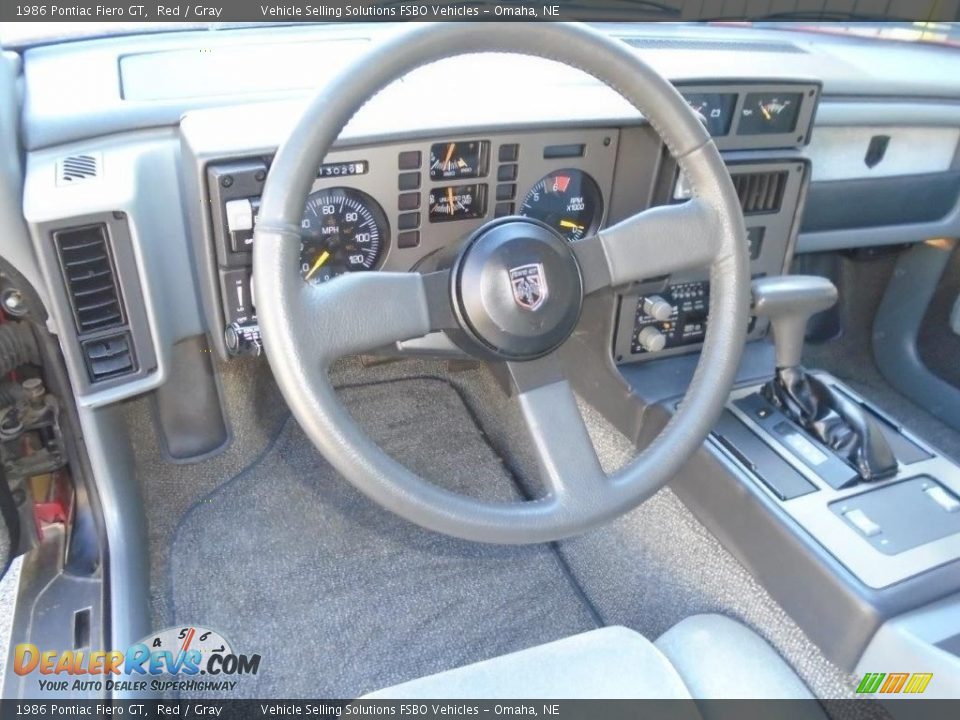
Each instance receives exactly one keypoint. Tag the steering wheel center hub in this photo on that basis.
(517, 289)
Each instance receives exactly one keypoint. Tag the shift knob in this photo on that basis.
(788, 301)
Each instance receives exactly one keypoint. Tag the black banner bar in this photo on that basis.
(290, 11)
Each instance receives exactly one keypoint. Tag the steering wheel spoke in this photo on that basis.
(359, 312)
(658, 241)
(566, 458)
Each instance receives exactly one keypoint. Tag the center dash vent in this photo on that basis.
(73, 169)
(88, 270)
(760, 192)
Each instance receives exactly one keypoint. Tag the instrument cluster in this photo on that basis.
(444, 191)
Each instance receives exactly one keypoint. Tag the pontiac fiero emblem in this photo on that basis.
(529, 285)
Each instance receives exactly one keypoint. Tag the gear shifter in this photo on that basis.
(840, 424)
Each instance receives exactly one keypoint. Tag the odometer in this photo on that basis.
(342, 230)
(569, 201)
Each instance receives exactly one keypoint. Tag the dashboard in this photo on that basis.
(830, 143)
(394, 206)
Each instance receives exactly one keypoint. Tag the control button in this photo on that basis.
(408, 239)
(238, 298)
(755, 240)
(858, 518)
(503, 209)
(507, 173)
(506, 192)
(239, 215)
(657, 308)
(408, 160)
(241, 219)
(942, 498)
(509, 153)
(409, 221)
(651, 339)
(409, 201)
(409, 181)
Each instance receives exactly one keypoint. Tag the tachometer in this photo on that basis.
(569, 201)
(342, 230)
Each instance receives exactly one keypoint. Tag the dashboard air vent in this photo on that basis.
(760, 192)
(75, 168)
(108, 357)
(88, 270)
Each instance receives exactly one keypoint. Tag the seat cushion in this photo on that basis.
(719, 658)
(612, 662)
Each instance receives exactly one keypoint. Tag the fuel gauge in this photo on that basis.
(769, 113)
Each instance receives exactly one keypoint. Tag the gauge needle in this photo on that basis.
(570, 224)
(450, 198)
(450, 148)
(324, 256)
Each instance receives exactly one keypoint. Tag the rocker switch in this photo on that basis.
(860, 520)
(942, 498)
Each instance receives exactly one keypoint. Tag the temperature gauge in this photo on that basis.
(453, 160)
(457, 202)
(769, 113)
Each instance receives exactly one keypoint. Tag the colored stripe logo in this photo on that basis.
(894, 683)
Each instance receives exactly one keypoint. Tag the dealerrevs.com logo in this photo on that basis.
(185, 659)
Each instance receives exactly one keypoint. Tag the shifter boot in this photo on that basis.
(840, 424)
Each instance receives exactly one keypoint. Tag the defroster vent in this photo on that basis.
(760, 192)
(88, 270)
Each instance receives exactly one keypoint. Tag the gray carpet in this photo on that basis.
(657, 565)
(255, 410)
(289, 561)
(339, 596)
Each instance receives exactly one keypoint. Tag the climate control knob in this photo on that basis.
(651, 339)
(657, 308)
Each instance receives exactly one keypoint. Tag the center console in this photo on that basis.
(850, 520)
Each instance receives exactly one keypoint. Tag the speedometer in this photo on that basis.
(342, 230)
(569, 201)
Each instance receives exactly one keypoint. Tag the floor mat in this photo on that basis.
(340, 597)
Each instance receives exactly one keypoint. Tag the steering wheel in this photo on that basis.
(475, 300)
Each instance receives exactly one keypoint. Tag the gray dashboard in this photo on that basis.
(158, 111)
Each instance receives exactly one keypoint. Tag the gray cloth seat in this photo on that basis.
(704, 656)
